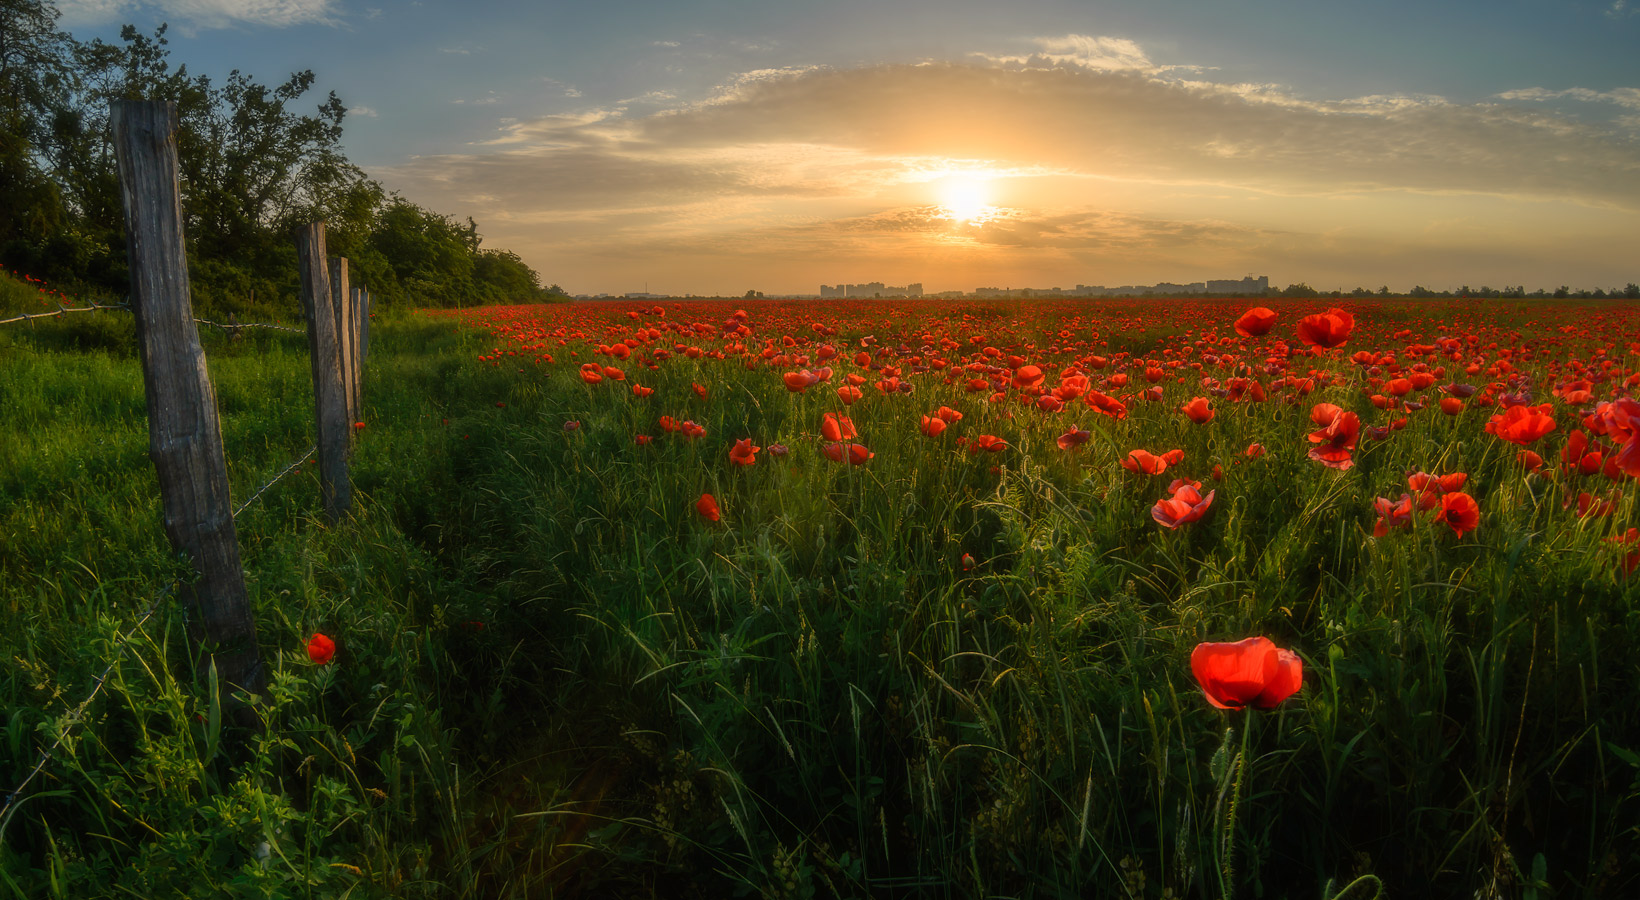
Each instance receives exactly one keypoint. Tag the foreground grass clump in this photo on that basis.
(940, 672)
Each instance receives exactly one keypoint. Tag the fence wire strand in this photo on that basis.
(9, 808)
(231, 327)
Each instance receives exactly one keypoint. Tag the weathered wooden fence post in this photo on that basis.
(347, 342)
(184, 436)
(329, 394)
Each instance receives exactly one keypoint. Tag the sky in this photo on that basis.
(719, 146)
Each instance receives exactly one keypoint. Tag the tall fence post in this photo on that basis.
(364, 334)
(347, 342)
(329, 394)
(184, 436)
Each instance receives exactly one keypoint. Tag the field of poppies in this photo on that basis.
(797, 599)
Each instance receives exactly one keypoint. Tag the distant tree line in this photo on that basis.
(1631, 291)
(253, 167)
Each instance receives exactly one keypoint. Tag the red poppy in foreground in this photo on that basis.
(857, 453)
(933, 426)
(1143, 462)
(834, 427)
(1522, 424)
(1392, 514)
(1197, 411)
(1186, 505)
(743, 453)
(320, 649)
(1337, 436)
(707, 506)
(1460, 511)
(1255, 322)
(1254, 672)
(1327, 330)
(987, 442)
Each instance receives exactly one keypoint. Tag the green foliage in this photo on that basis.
(252, 169)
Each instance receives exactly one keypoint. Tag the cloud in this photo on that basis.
(197, 15)
(363, 111)
(1621, 9)
(812, 162)
(664, 44)
(1626, 97)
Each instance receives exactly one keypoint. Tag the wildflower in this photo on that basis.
(320, 649)
(1460, 512)
(1326, 330)
(1253, 672)
(707, 506)
(1186, 505)
(856, 454)
(1197, 411)
(743, 453)
(1255, 322)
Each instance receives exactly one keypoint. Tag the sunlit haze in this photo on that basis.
(712, 148)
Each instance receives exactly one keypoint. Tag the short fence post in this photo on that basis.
(184, 436)
(329, 394)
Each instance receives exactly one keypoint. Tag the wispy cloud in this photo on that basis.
(197, 15)
(363, 111)
(1626, 97)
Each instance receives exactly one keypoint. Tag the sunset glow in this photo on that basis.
(703, 149)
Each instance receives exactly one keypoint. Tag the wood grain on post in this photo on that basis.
(347, 344)
(329, 394)
(364, 333)
(184, 436)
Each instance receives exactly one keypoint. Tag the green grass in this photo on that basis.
(554, 678)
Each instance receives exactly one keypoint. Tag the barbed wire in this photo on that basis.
(9, 808)
(275, 480)
(232, 327)
(62, 308)
(235, 326)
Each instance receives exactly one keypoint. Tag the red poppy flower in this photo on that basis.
(1255, 322)
(743, 453)
(856, 453)
(949, 415)
(1143, 462)
(699, 389)
(933, 426)
(1460, 512)
(1106, 405)
(642, 440)
(1522, 424)
(1074, 438)
(358, 426)
(614, 374)
(837, 428)
(1254, 451)
(987, 442)
(1451, 405)
(320, 649)
(1186, 505)
(1531, 460)
(639, 390)
(1027, 376)
(1197, 411)
(1254, 672)
(1392, 514)
(691, 430)
(1337, 436)
(707, 506)
(1327, 330)
(592, 373)
(848, 393)
(798, 382)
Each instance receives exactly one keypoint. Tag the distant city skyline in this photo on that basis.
(712, 148)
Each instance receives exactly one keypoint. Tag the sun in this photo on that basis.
(965, 198)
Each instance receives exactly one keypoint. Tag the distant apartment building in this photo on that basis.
(870, 289)
(1248, 285)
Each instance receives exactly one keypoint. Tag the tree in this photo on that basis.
(36, 78)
